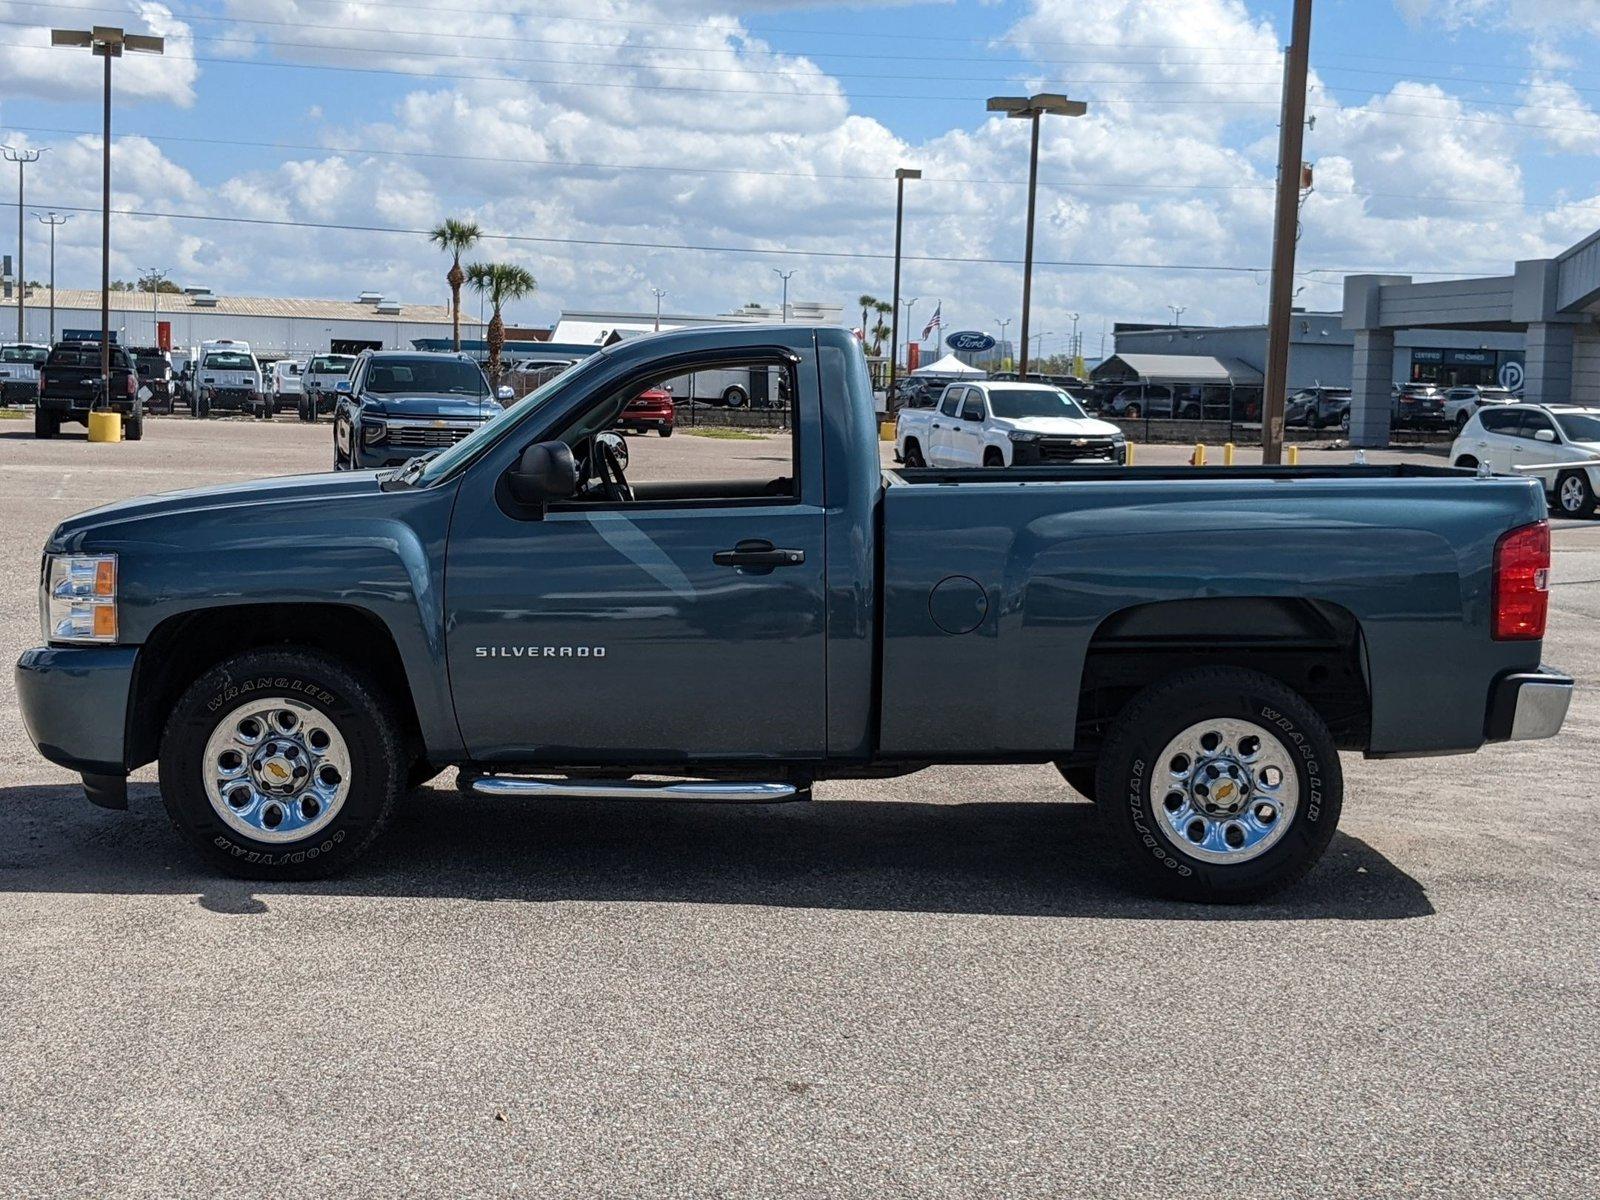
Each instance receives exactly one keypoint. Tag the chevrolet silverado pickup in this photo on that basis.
(1004, 424)
(1191, 649)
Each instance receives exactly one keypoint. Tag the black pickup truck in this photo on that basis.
(70, 385)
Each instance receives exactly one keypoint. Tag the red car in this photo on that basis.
(651, 409)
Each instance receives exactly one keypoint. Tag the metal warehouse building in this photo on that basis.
(274, 327)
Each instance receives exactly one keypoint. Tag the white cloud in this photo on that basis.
(30, 66)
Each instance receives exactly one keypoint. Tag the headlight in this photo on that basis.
(1022, 435)
(1119, 439)
(373, 431)
(79, 601)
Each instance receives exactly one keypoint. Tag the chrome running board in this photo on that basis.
(626, 789)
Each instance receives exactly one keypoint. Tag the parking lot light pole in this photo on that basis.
(1031, 108)
(658, 294)
(784, 275)
(22, 158)
(1002, 322)
(901, 174)
(909, 305)
(55, 221)
(155, 275)
(106, 42)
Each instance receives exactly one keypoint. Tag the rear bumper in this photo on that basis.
(74, 703)
(1526, 705)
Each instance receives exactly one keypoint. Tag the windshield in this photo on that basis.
(1034, 402)
(492, 430)
(24, 354)
(434, 376)
(86, 354)
(1579, 427)
(331, 363)
(227, 360)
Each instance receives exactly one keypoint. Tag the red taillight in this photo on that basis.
(133, 385)
(1522, 583)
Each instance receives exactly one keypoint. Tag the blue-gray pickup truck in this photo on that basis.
(1192, 649)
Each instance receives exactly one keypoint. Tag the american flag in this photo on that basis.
(933, 322)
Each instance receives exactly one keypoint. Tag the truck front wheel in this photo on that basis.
(281, 764)
(1221, 785)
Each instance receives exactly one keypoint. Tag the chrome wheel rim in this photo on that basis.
(276, 769)
(1572, 494)
(1224, 791)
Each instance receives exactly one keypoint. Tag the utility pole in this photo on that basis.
(155, 275)
(658, 293)
(784, 275)
(55, 221)
(901, 174)
(1291, 142)
(1177, 311)
(22, 158)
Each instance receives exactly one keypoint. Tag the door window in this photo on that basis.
(972, 410)
(952, 401)
(1500, 421)
(1531, 423)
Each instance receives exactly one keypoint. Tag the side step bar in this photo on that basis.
(627, 789)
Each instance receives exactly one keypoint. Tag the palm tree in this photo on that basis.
(455, 238)
(500, 282)
(883, 308)
(880, 332)
(867, 302)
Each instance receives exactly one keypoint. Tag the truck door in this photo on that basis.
(941, 429)
(682, 626)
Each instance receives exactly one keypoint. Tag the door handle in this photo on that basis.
(758, 553)
(936, 425)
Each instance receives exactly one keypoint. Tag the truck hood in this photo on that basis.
(328, 486)
(430, 406)
(1058, 426)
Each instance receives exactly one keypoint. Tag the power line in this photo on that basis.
(395, 230)
(1061, 185)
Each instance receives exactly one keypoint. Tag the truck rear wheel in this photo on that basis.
(281, 764)
(1221, 786)
(913, 454)
(45, 424)
(133, 429)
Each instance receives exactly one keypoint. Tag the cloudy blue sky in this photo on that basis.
(1451, 136)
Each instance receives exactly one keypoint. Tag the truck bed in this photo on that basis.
(1039, 560)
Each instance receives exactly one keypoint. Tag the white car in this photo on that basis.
(282, 380)
(1003, 424)
(1541, 440)
(1461, 402)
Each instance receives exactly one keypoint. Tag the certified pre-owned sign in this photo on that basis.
(970, 341)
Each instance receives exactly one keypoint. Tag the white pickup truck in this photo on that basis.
(228, 379)
(1002, 424)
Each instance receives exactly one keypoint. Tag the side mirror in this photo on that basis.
(342, 386)
(545, 472)
(667, 388)
(1544, 435)
(504, 392)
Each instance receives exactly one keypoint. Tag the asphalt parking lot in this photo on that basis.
(933, 986)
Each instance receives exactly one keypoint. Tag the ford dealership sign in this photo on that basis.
(969, 341)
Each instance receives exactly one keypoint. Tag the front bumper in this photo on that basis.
(237, 399)
(75, 704)
(1526, 705)
(18, 391)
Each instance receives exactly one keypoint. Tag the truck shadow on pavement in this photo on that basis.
(1011, 858)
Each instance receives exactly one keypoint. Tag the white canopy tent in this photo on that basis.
(950, 367)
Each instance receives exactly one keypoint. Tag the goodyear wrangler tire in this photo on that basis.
(1221, 785)
(281, 764)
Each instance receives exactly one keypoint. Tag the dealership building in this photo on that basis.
(1322, 351)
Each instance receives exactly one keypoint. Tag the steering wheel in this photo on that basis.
(608, 465)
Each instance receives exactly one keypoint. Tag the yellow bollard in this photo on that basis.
(1227, 454)
(886, 431)
(1198, 458)
(1294, 456)
(105, 427)
(1128, 461)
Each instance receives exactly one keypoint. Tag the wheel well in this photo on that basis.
(1308, 645)
(184, 647)
(1466, 460)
